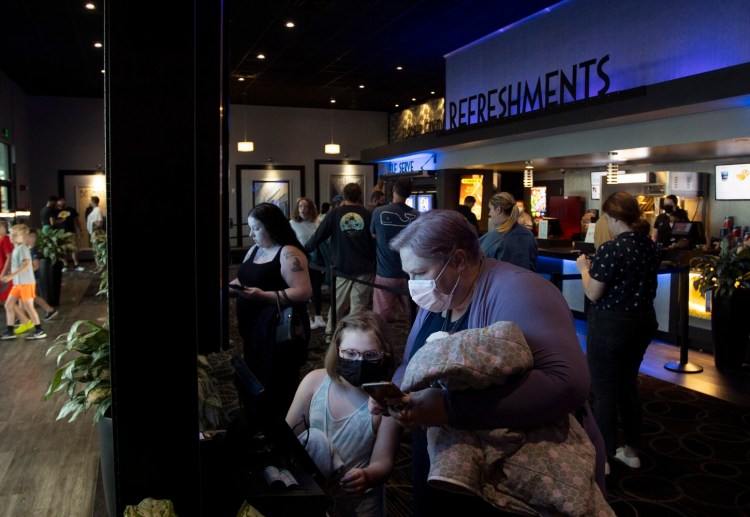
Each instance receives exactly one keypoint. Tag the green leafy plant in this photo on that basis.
(99, 244)
(85, 378)
(55, 244)
(723, 273)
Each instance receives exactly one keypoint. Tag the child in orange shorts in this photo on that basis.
(24, 284)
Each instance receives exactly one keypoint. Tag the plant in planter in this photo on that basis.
(84, 378)
(726, 277)
(53, 245)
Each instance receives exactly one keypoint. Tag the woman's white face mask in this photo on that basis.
(425, 292)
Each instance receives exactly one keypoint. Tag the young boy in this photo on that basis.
(24, 284)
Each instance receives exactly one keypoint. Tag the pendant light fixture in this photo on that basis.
(245, 146)
(528, 175)
(612, 169)
(332, 148)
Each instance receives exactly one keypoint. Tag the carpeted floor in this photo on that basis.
(695, 458)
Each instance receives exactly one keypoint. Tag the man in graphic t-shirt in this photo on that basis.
(68, 219)
(352, 252)
(387, 222)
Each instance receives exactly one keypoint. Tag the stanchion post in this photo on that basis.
(683, 366)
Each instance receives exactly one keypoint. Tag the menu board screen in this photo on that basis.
(733, 181)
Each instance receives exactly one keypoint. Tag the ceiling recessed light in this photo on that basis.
(432, 93)
(261, 56)
(102, 70)
(90, 6)
(98, 45)
(333, 101)
(396, 105)
(290, 24)
(414, 99)
(399, 68)
(361, 86)
(240, 79)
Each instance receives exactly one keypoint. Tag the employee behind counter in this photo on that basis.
(673, 230)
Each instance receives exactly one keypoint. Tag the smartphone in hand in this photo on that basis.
(383, 392)
(238, 287)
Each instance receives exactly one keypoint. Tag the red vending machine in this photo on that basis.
(569, 210)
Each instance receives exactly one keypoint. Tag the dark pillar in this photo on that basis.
(167, 227)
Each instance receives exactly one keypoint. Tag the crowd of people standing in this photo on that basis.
(463, 286)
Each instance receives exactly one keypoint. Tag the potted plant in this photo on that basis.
(53, 245)
(726, 277)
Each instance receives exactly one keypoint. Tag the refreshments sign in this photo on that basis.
(579, 50)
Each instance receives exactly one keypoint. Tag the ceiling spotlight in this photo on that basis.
(432, 93)
(290, 24)
(399, 68)
(396, 105)
(240, 79)
(414, 99)
(333, 101)
(361, 86)
(98, 45)
(102, 70)
(261, 56)
(90, 6)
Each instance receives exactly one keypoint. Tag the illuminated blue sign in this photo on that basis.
(408, 164)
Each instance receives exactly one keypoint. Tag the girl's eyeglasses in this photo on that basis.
(371, 356)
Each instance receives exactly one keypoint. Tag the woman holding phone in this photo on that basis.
(457, 288)
(331, 400)
(275, 268)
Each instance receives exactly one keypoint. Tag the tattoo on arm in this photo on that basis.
(297, 265)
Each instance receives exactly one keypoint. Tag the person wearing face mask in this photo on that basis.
(524, 218)
(661, 233)
(332, 401)
(457, 288)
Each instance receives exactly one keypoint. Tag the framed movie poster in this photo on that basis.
(274, 192)
(255, 184)
(331, 176)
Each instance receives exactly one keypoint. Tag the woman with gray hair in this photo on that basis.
(507, 240)
(456, 289)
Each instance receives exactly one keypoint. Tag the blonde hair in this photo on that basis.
(365, 321)
(19, 229)
(505, 202)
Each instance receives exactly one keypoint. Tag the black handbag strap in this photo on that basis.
(278, 303)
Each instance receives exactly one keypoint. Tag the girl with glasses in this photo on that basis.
(363, 446)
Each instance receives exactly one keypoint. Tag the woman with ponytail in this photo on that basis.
(507, 240)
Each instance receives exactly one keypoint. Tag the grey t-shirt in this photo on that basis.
(387, 222)
(20, 253)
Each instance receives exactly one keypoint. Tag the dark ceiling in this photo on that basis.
(335, 46)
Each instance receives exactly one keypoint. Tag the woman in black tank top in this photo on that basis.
(276, 264)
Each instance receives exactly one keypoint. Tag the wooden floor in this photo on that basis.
(50, 468)
(47, 468)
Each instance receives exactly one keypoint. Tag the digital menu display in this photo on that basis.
(733, 181)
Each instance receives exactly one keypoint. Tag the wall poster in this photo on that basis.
(332, 175)
(255, 184)
(274, 192)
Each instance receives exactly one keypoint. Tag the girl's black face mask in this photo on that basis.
(357, 373)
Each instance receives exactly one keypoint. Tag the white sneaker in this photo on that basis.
(65, 270)
(633, 462)
(318, 323)
(80, 268)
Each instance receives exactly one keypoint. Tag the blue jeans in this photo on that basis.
(615, 344)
